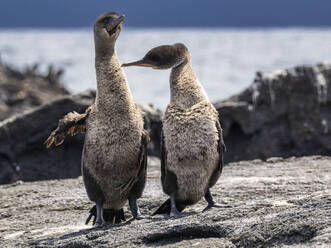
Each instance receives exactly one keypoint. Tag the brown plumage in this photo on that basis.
(114, 156)
(192, 140)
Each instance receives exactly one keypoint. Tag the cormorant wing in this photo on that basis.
(221, 146)
(72, 123)
(143, 159)
(142, 173)
(163, 158)
(137, 182)
(168, 178)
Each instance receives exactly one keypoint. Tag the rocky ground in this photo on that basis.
(277, 203)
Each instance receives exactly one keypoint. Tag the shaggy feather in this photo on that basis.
(190, 134)
(114, 134)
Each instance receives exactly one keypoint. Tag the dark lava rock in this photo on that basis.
(23, 90)
(284, 113)
(278, 203)
(153, 119)
(22, 152)
(23, 155)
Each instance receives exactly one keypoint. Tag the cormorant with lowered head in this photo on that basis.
(192, 141)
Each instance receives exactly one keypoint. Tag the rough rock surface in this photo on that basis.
(284, 113)
(153, 118)
(278, 203)
(22, 152)
(23, 156)
(23, 90)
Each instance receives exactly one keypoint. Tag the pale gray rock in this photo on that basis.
(280, 203)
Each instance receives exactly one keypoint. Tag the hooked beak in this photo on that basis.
(141, 62)
(114, 23)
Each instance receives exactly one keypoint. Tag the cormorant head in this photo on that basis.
(107, 28)
(163, 57)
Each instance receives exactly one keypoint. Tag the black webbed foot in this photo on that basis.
(139, 216)
(211, 203)
(174, 213)
(99, 224)
(211, 206)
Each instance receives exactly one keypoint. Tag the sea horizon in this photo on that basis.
(225, 59)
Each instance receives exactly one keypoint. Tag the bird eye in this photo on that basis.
(106, 21)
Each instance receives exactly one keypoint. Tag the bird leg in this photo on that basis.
(173, 212)
(99, 221)
(134, 208)
(209, 199)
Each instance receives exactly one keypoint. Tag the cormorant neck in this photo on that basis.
(113, 93)
(185, 88)
(104, 51)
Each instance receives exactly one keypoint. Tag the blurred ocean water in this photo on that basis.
(225, 60)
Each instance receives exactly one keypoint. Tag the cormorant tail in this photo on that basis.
(166, 207)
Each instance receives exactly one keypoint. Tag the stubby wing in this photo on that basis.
(72, 123)
(168, 178)
(137, 183)
(143, 163)
(163, 158)
(221, 146)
